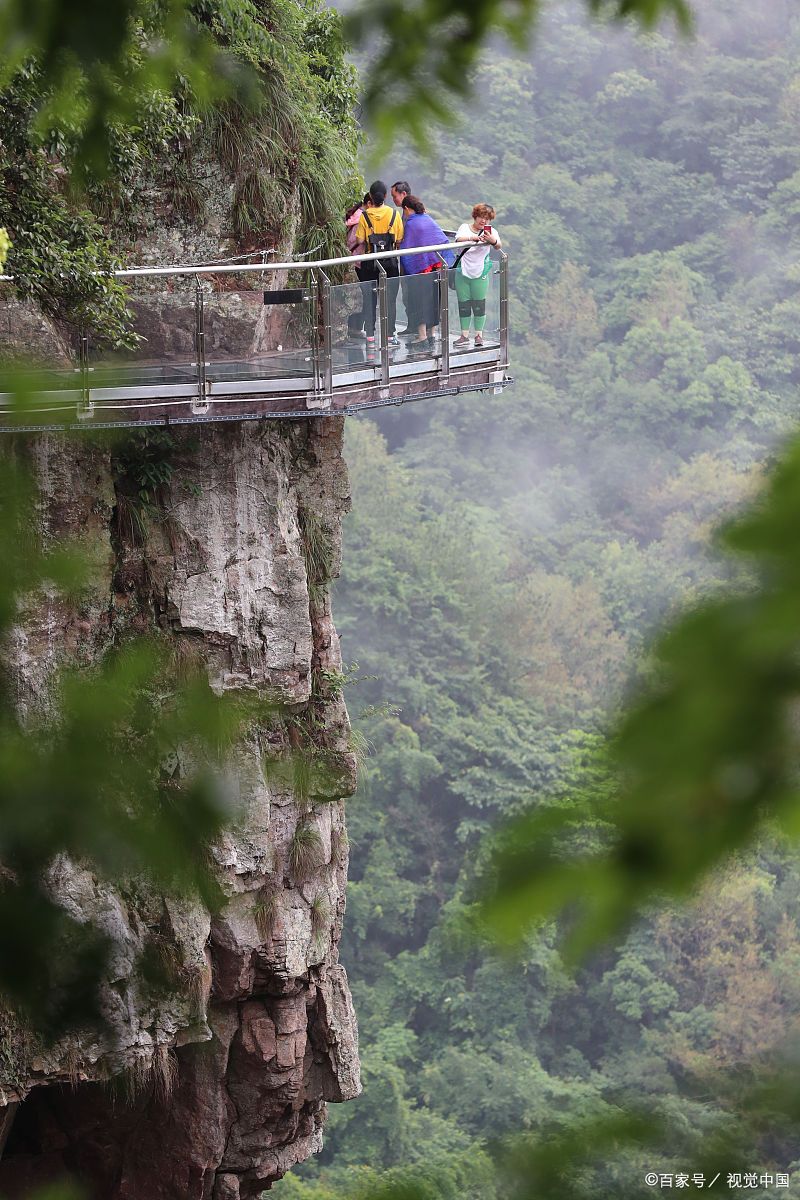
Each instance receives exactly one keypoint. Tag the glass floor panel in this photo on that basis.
(346, 356)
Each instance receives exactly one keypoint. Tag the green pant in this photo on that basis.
(472, 298)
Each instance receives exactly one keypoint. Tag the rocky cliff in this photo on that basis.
(225, 1074)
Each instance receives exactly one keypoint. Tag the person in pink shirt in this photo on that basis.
(356, 320)
(351, 219)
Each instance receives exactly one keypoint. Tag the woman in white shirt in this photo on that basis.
(473, 271)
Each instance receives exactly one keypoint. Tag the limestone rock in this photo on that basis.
(227, 1076)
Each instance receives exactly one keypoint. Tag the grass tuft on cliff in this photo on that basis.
(305, 851)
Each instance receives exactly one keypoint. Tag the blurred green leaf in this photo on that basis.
(98, 62)
(59, 1191)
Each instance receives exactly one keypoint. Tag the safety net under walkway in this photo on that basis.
(266, 341)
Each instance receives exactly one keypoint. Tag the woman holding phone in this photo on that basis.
(473, 271)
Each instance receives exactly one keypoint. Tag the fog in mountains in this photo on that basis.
(508, 559)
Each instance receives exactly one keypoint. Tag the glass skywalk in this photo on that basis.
(253, 342)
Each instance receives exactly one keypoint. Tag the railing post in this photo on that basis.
(85, 406)
(383, 322)
(444, 318)
(200, 405)
(327, 347)
(503, 308)
(313, 293)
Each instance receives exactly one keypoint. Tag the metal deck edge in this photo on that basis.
(310, 414)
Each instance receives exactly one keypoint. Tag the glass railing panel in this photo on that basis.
(401, 308)
(259, 327)
(354, 310)
(411, 301)
(37, 351)
(225, 323)
(491, 331)
(474, 308)
(423, 307)
(159, 343)
(355, 330)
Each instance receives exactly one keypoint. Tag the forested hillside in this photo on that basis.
(506, 561)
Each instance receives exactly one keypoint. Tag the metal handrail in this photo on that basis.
(233, 269)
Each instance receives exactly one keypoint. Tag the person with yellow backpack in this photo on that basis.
(380, 228)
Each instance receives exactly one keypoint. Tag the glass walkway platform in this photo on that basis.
(270, 341)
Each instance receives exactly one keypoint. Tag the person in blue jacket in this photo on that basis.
(422, 270)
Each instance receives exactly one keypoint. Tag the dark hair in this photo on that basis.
(414, 203)
(402, 185)
(353, 207)
(367, 198)
(377, 191)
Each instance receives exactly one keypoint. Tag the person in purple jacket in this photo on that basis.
(422, 270)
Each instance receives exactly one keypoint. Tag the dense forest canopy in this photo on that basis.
(508, 561)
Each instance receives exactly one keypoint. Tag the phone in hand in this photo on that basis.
(487, 229)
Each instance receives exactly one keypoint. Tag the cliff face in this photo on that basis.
(227, 1072)
(214, 1084)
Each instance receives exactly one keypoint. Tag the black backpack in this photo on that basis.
(377, 242)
